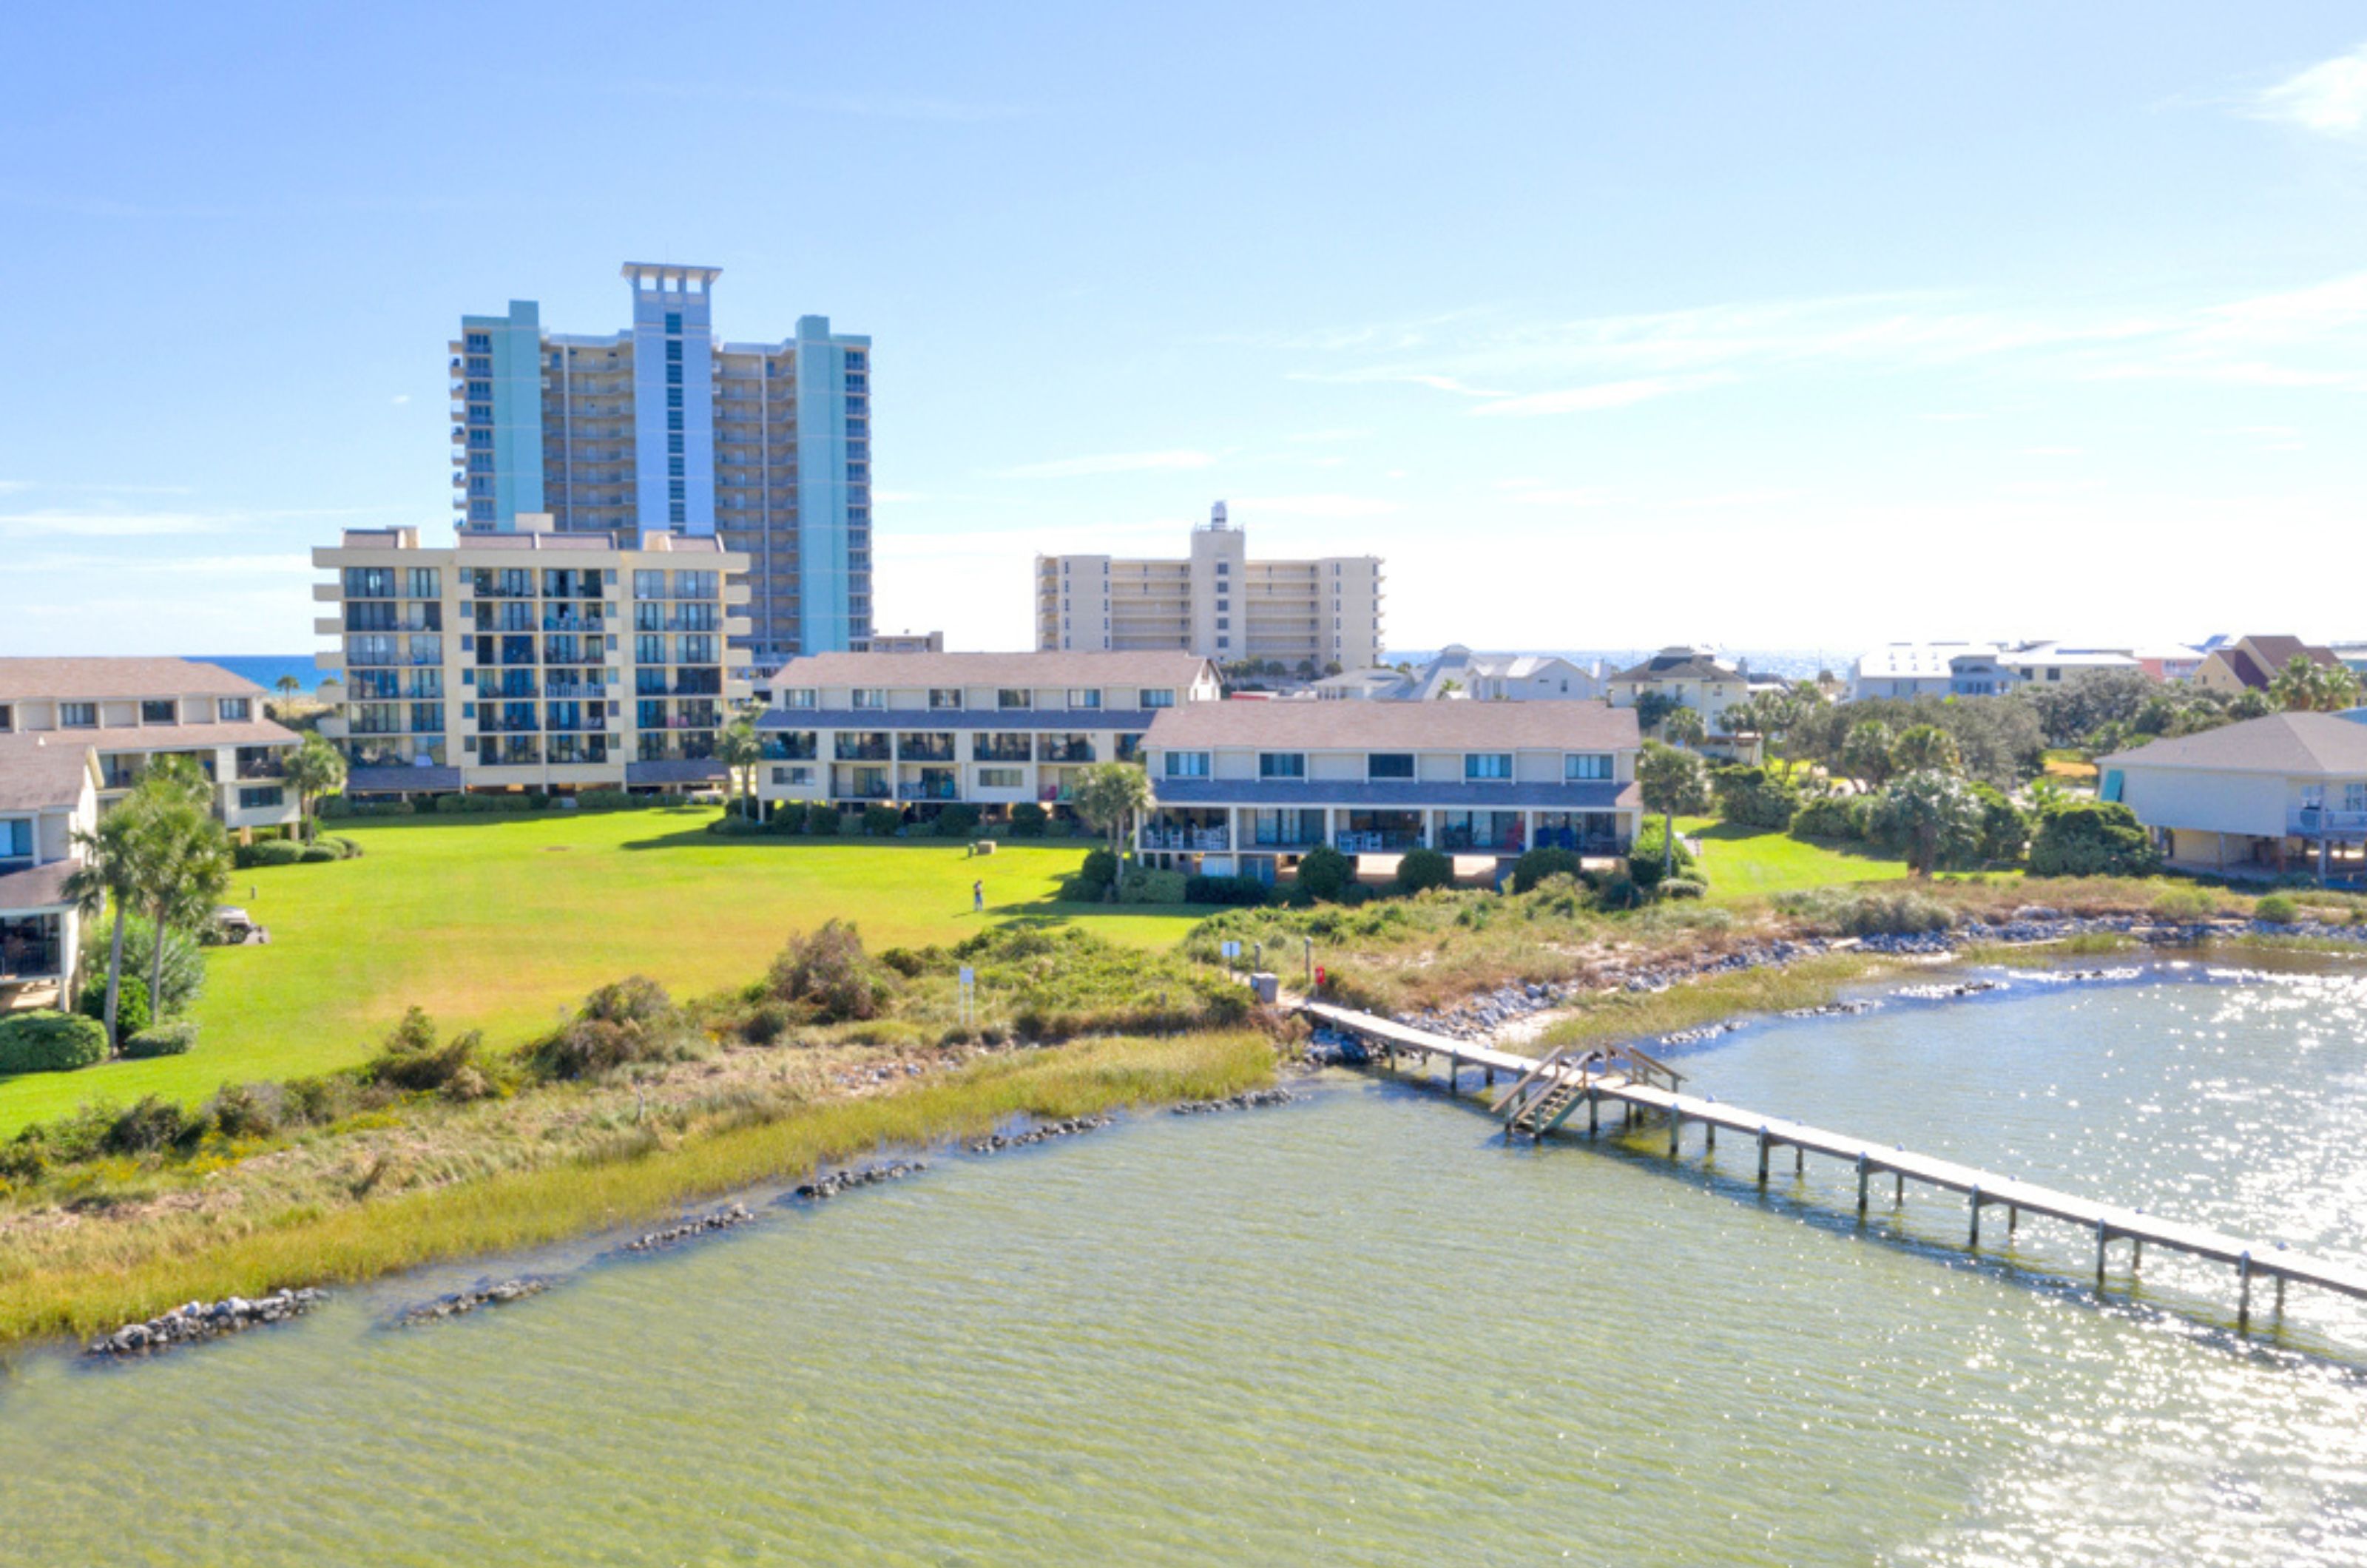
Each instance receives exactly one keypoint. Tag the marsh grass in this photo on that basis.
(1644, 1015)
(97, 1275)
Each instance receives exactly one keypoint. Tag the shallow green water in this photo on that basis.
(1356, 1330)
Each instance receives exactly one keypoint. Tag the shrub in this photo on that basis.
(271, 852)
(316, 854)
(786, 817)
(826, 972)
(1756, 798)
(410, 1058)
(959, 820)
(46, 1042)
(2277, 910)
(1680, 888)
(2185, 904)
(1100, 869)
(881, 821)
(246, 1110)
(732, 825)
(1324, 872)
(1420, 870)
(1141, 884)
(338, 806)
(131, 1010)
(1613, 889)
(2092, 839)
(1028, 820)
(767, 1024)
(1535, 865)
(1648, 857)
(149, 1127)
(823, 820)
(2004, 831)
(628, 1022)
(174, 1039)
(607, 799)
(1839, 911)
(1246, 890)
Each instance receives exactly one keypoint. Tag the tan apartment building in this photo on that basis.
(922, 730)
(129, 712)
(1692, 677)
(1247, 788)
(49, 793)
(530, 659)
(1314, 617)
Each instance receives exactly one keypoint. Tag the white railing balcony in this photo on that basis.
(2316, 819)
(1190, 839)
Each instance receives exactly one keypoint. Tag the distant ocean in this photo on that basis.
(264, 669)
(1791, 663)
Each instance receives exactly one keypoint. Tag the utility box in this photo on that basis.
(1266, 987)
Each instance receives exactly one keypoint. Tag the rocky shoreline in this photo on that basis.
(461, 1302)
(206, 1320)
(839, 1181)
(1249, 1100)
(1040, 1135)
(721, 1219)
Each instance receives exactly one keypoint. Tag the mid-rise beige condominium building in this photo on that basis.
(1311, 617)
(530, 659)
(920, 731)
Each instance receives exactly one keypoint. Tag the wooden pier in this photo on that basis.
(1546, 1093)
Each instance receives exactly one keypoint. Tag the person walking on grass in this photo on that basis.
(978, 897)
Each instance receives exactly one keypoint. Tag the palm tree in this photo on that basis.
(316, 770)
(1925, 748)
(1108, 795)
(113, 872)
(1671, 781)
(1683, 726)
(1865, 752)
(185, 870)
(740, 750)
(288, 686)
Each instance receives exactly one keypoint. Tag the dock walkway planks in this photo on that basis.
(2108, 1223)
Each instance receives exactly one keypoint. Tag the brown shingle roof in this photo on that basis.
(1052, 669)
(40, 887)
(1412, 726)
(41, 771)
(1678, 664)
(181, 737)
(2283, 743)
(2275, 652)
(94, 679)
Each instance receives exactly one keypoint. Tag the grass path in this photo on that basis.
(1748, 862)
(504, 923)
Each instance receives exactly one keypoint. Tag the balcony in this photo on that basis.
(929, 787)
(850, 749)
(924, 748)
(1001, 749)
(792, 747)
(1369, 841)
(2318, 822)
(573, 621)
(269, 768)
(1057, 749)
(1188, 840)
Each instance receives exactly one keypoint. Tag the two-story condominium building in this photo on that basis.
(1251, 787)
(49, 791)
(1310, 616)
(530, 659)
(2266, 793)
(131, 711)
(1692, 677)
(920, 730)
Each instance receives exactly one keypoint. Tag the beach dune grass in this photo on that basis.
(129, 1272)
(504, 923)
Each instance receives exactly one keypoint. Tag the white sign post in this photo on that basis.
(969, 996)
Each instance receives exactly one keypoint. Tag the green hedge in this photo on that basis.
(486, 804)
(337, 805)
(51, 1043)
(881, 821)
(174, 1039)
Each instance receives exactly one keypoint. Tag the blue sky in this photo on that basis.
(1802, 327)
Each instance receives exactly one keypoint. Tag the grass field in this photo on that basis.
(1747, 863)
(504, 923)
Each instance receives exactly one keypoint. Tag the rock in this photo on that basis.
(1044, 1134)
(839, 1181)
(1251, 1100)
(463, 1302)
(721, 1219)
(193, 1321)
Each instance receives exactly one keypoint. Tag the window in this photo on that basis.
(480, 342)
(1224, 569)
(261, 797)
(16, 837)
(870, 697)
(1187, 765)
(369, 583)
(1586, 765)
(945, 697)
(673, 322)
(793, 775)
(159, 710)
(1085, 697)
(1389, 765)
(1224, 604)
(2354, 795)
(1001, 778)
(1157, 697)
(673, 375)
(230, 710)
(648, 584)
(1015, 697)
(673, 350)
(78, 716)
(423, 583)
(1281, 764)
(1488, 765)
(799, 697)
(7, 718)
(1224, 623)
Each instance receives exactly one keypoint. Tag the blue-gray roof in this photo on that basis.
(673, 772)
(1050, 720)
(1393, 795)
(386, 780)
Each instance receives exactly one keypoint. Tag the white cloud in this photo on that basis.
(1109, 463)
(60, 523)
(1248, 507)
(1435, 382)
(1524, 492)
(1329, 435)
(400, 399)
(1602, 395)
(2329, 97)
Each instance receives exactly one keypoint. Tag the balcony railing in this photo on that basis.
(1001, 749)
(789, 747)
(861, 751)
(1378, 841)
(1068, 751)
(910, 749)
(1188, 839)
(272, 769)
(35, 960)
(928, 789)
(2316, 819)
(864, 789)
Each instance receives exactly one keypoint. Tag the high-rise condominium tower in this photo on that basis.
(765, 447)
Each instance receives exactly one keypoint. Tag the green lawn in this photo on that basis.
(504, 923)
(1744, 862)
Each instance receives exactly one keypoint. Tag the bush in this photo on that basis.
(1141, 884)
(1325, 872)
(246, 1110)
(174, 1039)
(1839, 911)
(2092, 839)
(768, 1024)
(1843, 818)
(2005, 831)
(786, 817)
(1100, 869)
(131, 1010)
(46, 1042)
(881, 821)
(826, 974)
(1028, 820)
(1420, 870)
(410, 1058)
(1682, 888)
(959, 820)
(732, 825)
(271, 852)
(1245, 890)
(316, 854)
(823, 820)
(1535, 865)
(2185, 904)
(151, 1126)
(628, 1022)
(1648, 857)
(2277, 910)
(1756, 798)
(466, 805)
(1613, 889)
(338, 807)
(607, 800)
